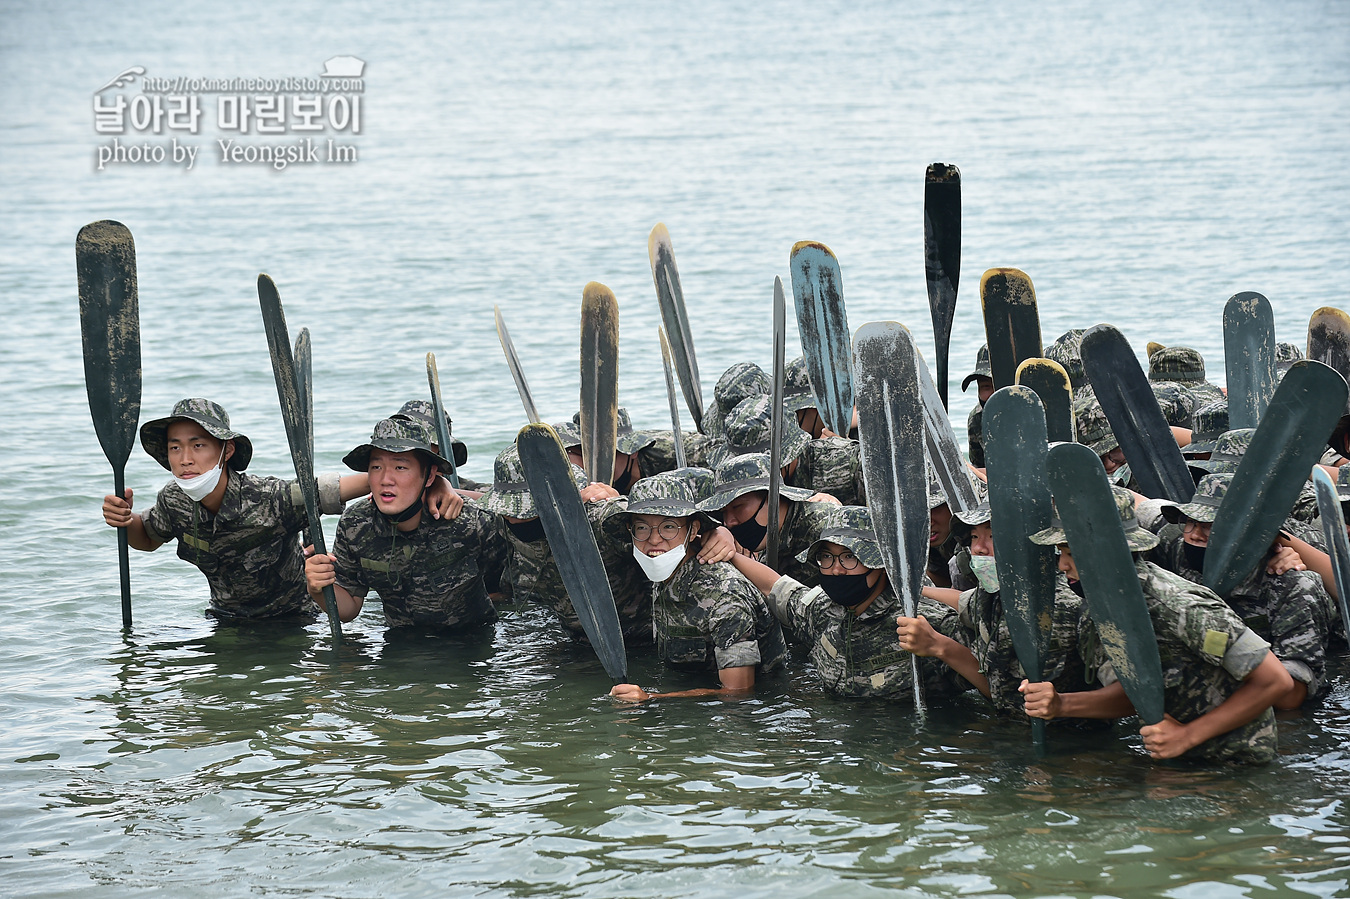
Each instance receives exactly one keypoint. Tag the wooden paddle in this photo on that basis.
(822, 324)
(297, 429)
(110, 329)
(513, 363)
(304, 389)
(599, 381)
(675, 319)
(942, 257)
(676, 433)
(442, 430)
(776, 422)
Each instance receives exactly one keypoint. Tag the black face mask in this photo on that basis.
(625, 480)
(845, 589)
(750, 533)
(1076, 587)
(1195, 556)
(531, 531)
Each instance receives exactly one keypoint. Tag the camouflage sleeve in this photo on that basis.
(489, 535)
(1301, 617)
(1247, 651)
(1191, 614)
(288, 503)
(732, 622)
(967, 611)
(1150, 515)
(791, 601)
(159, 520)
(347, 551)
(330, 493)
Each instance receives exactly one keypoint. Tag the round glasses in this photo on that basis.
(826, 559)
(666, 530)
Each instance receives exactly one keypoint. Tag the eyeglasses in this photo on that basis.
(666, 530)
(826, 559)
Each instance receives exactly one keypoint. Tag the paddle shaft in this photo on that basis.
(442, 429)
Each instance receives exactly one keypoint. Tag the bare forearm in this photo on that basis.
(963, 662)
(1108, 702)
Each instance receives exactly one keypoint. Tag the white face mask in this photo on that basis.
(197, 488)
(985, 572)
(658, 568)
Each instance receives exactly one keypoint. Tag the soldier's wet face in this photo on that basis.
(1066, 563)
(396, 480)
(657, 534)
(1196, 533)
(192, 451)
(939, 525)
(1113, 460)
(982, 540)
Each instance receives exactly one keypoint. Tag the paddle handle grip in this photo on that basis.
(1038, 735)
(329, 597)
(123, 550)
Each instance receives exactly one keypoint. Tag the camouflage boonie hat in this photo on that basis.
(797, 392)
(1286, 354)
(851, 528)
(936, 495)
(211, 416)
(509, 494)
(965, 522)
(1091, 426)
(1176, 403)
(740, 475)
(1228, 450)
(628, 442)
(982, 369)
(741, 380)
(1067, 350)
(1204, 505)
(662, 494)
(700, 480)
(1136, 538)
(425, 412)
(750, 425)
(396, 435)
(1208, 422)
(569, 434)
(1176, 363)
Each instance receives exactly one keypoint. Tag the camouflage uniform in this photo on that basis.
(975, 421)
(800, 526)
(742, 380)
(1208, 422)
(859, 655)
(249, 549)
(704, 616)
(981, 614)
(1184, 367)
(429, 577)
(1067, 350)
(531, 572)
(1206, 651)
(1093, 430)
(423, 411)
(825, 465)
(1291, 611)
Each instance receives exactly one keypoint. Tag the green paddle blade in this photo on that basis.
(675, 319)
(890, 431)
(1051, 383)
(599, 381)
(943, 451)
(1289, 440)
(1249, 357)
(942, 257)
(105, 263)
(297, 428)
(573, 543)
(1012, 325)
(1329, 339)
(1338, 545)
(1106, 570)
(818, 293)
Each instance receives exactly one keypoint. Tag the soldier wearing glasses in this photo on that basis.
(705, 616)
(849, 620)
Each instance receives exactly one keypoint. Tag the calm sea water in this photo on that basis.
(1142, 162)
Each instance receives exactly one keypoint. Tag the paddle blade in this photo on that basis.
(817, 289)
(1290, 439)
(676, 432)
(1329, 339)
(943, 451)
(443, 441)
(675, 319)
(1051, 383)
(513, 363)
(569, 534)
(942, 257)
(1249, 357)
(1012, 324)
(105, 263)
(776, 420)
(599, 381)
(1110, 582)
(1338, 546)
